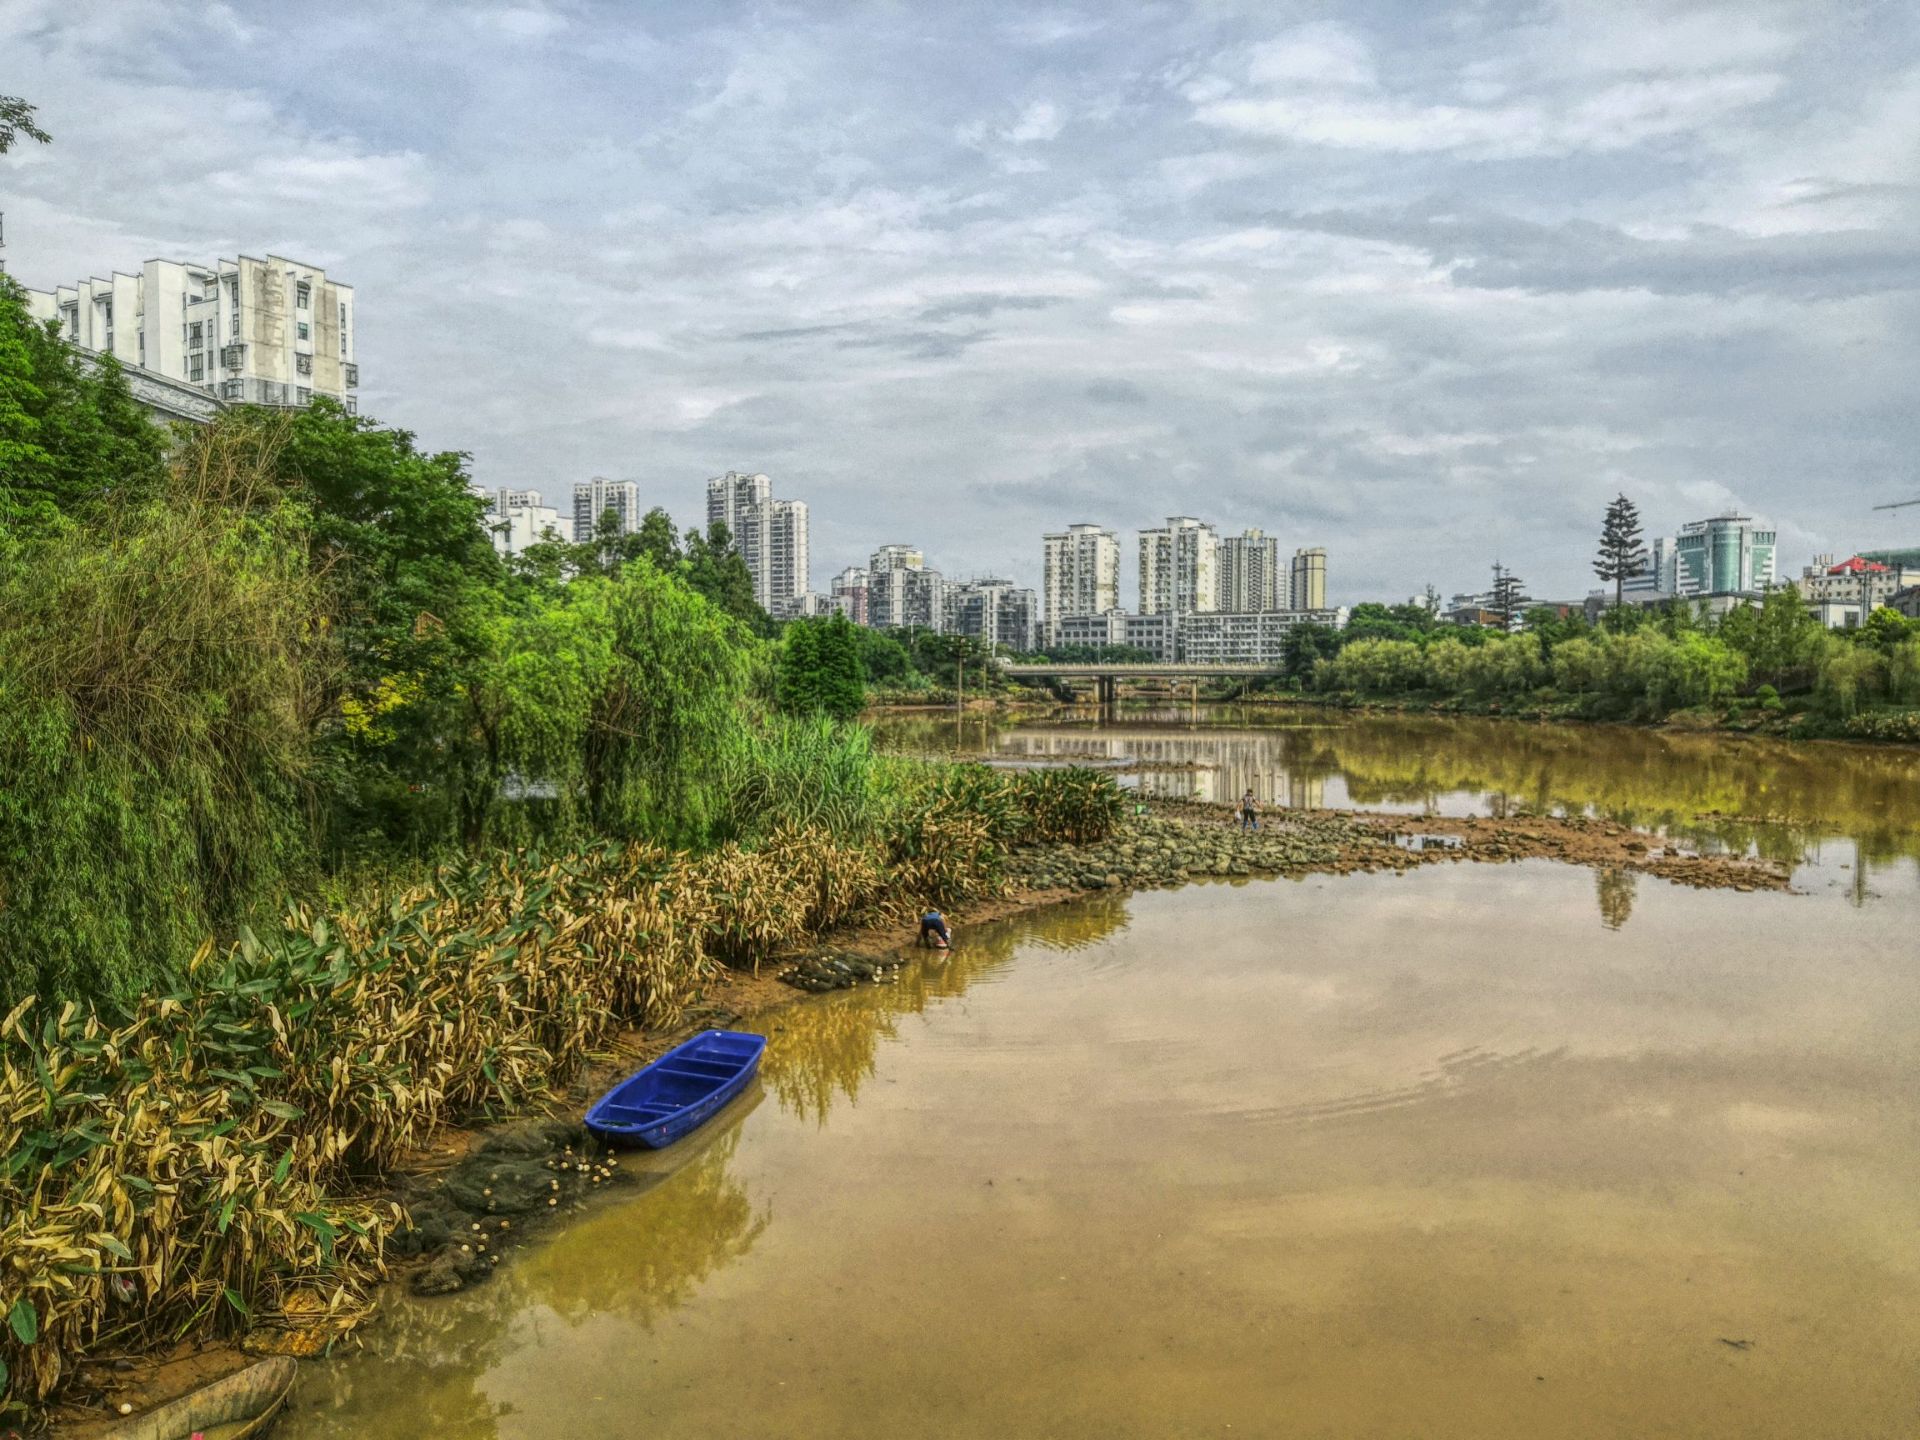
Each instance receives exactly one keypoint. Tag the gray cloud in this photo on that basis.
(1419, 289)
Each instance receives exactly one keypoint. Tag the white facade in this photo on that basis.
(1247, 637)
(994, 612)
(519, 518)
(896, 557)
(789, 557)
(269, 331)
(1249, 573)
(1659, 578)
(771, 535)
(1178, 567)
(903, 597)
(1081, 574)
(1307, 583)
(1864, 584)
(593, 498)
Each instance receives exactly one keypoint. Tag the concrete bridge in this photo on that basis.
(1106, 674)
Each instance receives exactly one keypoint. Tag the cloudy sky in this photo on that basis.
(1426, 284)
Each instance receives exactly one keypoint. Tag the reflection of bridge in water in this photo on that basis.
(1107, 674)
(1213, 765)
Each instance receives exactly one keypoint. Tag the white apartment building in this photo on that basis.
(995, 612)
(771, 535)
(519, 518)
(1156, 634)
(789, 556)
(1080, 574)
(1247, 637)
(1178, 574)
(258, 331)
(1249, 573)
(592, 499)
(902, 592)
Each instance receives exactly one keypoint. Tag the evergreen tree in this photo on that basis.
(1622, 555)
(1509, 596)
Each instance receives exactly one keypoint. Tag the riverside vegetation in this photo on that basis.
(1767, 666)
(322, 827)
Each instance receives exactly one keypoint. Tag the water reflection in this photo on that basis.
(824, 1051)
(1713, 792)
(429, 1359)
(1615, 891)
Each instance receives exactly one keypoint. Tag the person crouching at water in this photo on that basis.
(1249, 817)
(934, 931)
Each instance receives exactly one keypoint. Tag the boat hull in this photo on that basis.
(679, 1092)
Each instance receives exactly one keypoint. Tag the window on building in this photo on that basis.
(303, 296)
(233, 325)
(302, 395)
(195, 371)
(303, 363)
(193, 336)
(301, 329)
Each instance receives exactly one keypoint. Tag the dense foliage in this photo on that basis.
(1641, 666)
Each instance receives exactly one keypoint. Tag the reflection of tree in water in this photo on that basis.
(1615, 889)
(825, 1048)
(426, 1359)
(694, 1222)
(423, 1359)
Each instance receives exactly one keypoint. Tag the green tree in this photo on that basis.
(658, 542)
(1622, 554)
(1305, 647)
(1782, 642)
(16, 119)
(73, 441)
(716, 570)
(1509, 597)
(817, 669)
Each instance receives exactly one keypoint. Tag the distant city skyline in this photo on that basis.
(1424, 284)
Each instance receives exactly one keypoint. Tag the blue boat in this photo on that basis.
(680, 1091)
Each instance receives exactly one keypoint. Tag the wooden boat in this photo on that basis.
(680, 1091)
(242, 1404)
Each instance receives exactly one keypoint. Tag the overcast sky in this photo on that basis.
(1421, 283)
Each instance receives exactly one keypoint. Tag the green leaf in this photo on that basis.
(25, 1321)
(226, 1214)
(281, 1170)
(233, 1299)
(114, 1246)
(282, 1109)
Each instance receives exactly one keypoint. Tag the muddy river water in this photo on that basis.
(1480, 1151)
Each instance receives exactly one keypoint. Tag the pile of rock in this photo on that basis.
(1155, 850)
(826, 970)
(515, 1176)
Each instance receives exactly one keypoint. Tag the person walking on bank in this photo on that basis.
(1249, 816)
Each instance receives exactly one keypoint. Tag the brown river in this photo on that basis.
(1477, 1151)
